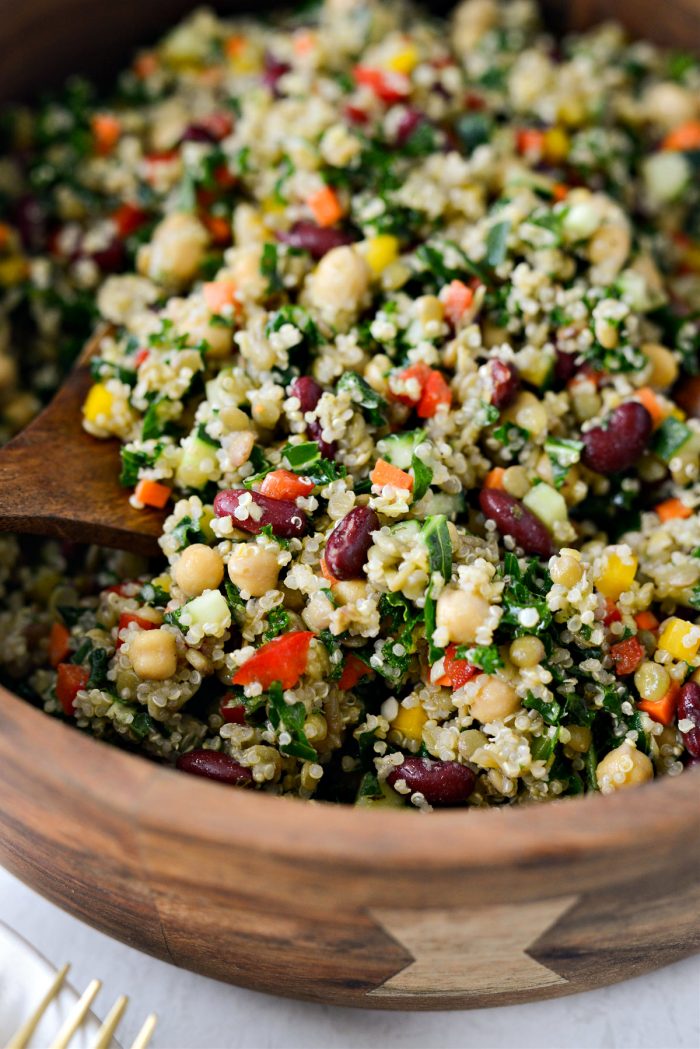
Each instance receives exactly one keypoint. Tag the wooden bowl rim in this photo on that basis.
(662, 812)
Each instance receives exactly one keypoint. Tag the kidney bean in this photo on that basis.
(231, 711)
(505, 381)
(111, 257)
(348, 543)
(687, 396)
(564, 367)
(441, 783)
(274, 69)
(689, 710)
(307, 391)
(197, 133)
(317, 240)
(515, 520)
(411, 119)
(617, 444)
(285, 519)
(328, 449)
(214, 765)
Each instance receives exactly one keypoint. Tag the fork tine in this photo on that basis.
(27, 1029)
(76, 1016)
(146, 1033)
(111, 1022)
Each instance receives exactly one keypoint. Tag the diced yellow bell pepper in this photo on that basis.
(163, 582)
(680, 639)
(381, 252)
(617, 575)
(205, 521)
(272, 205)
(404, 61)
(556, 144)
(409, 722)
(678, 413)
(98, 402)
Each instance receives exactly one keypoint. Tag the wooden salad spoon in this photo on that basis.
(57, 480)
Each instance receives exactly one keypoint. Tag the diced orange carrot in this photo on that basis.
(671, 509)
(662, 710)
(494, 478)
(106, 130)
(235, 45)
(384, 473)
(283, 484)
(304, 41)
(684, 137)
(560, 191)
(218, 294)
(530, 141)
(150, 493)
(219, 228)
(59, 639)
(436, 393)
(325, 206)
(648, 398)
(457, 298)
(646, 621)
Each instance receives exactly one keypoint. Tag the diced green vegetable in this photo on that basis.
(436, 537)
(399, 448)
(670, 438)
(546, 503)
(374, 407)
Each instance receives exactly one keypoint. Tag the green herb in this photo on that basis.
(551, 711)
(487, 657)
(155, 419)
(373, 406)
(142, 725)
(524, 591)
(563, 453)
(542, 748)
(233, 599)
(266, 530)
(330, 643)
(300, 319)
(490, 412)
(70, 614)
(98, 661)
(278, 620)
(473, 129)
(436, 536)
(497, 243)
(204, 436)
(430, 619)
(369, 787)
(669, 438)
(422, 476)
(510, 435)
(154, 595)
(268, 268)
(289, 718)
(301, 456)
(187, 193)
(81, 653)
(134, 460)
(187, 531)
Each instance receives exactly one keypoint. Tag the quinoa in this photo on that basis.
(400, 321)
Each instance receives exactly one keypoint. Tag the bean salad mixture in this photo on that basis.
(401, 329)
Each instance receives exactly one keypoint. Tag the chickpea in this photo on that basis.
(526, 651)
(566, 569)
(494, 700)
(349, 591)
(516, 482)
(529, 412)
(608, 250)
(376, 373)
(253, 569)
(248, 227)
(664, 367)
(234, 419)
(244, 271)
(669, 104)
(429, 311)
(176, 250)
(623, 767)
(579, 738)
(153, 654)
(461, 614)
(317, 614)
(472, 20)
(339, 282)
(200, 568)
(652, 681)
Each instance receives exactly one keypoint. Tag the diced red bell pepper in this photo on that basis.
(131, 617)
(612, 612)
(457, 298)
(356, 115)
(232, 711)
(457, 671)
(436, 393)
(70, 679)
(389, 87)
(421, 373)
(128, 218)
(219, 124)
(283, 659)
(283, 484)
(59, 643)
(354, 669)
(141, 356)
(530, 141)
(627, 655)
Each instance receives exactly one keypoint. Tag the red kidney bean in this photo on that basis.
(286, 520)
(689, 710)
(232, 711)
(214, 765)
(617, 444)
(687, 396)
(274, 69)
(197, 133)
(409, 122)
(564, 367)
(328, 449)
(317, 240)
(505, 381)
(348, 543)
(515, 520)
(110, 258)
(307, 391)
(441, 783)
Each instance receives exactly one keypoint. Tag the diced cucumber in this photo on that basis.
(670, 438)
(399, 448)
(547, 504)
(210, 611)
(198, 463)
(436, 537)
(439, 503)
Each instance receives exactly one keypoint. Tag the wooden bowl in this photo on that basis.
(386, 909)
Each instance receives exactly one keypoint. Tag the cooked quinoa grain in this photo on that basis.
(401, 323)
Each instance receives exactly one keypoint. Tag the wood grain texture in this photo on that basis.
(55, 479)
(356, 907)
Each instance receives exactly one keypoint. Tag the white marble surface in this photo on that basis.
(659, 1011)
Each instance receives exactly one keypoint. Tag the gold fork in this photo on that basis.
(77, 1015)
